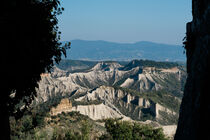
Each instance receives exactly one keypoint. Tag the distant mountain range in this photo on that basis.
(103, 50)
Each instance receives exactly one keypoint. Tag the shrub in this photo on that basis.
(129, 131)
(85, 130)
(71, 136)
(26, 123)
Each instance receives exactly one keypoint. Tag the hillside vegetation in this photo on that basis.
(74, 126)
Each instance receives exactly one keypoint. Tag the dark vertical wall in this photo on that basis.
(194, 121)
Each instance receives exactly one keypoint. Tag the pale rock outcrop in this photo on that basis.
(146, 81)
(157, 107)
(129, 98)
(106, 66)
(97, 112)
(110, 95)
(143, 103)
(62, 83)
(50, 87)
(92, 84)
(128, 82)
(172, 70)
(64, 106)
(169, 130)
(58, 72)
(103, 93)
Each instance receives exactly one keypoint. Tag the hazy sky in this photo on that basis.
(161, 21)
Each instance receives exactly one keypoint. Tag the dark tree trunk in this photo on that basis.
(5, 125)
(7, 24)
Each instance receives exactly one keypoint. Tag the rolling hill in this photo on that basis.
(103, 50)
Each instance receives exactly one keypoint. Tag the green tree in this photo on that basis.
(29, 46)
(119, 130)
(71, 136)
(27, 123)
(55, 135)
(85, 130)
(131, 131)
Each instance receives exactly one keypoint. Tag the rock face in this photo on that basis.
(143, 102)
(62, 83)
(139, 91)
(64, 106)
(156, 108)
(118, 100)
(97, 112)
(152, 78)
(195, 108)
(169, 131)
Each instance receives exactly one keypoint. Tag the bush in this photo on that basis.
(71, 136)
(26, 123)
(129, 131)
(85, 130)
(105, 137)
(38, 120)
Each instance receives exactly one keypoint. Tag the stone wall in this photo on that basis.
(195, 108)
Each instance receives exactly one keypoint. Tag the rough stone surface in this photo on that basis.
(100, 111)
(169, 130)
(195, 109)
(142, 102)
(64, 106)
(110, 95)
(157, 108)
(62, 83)
(96, 84)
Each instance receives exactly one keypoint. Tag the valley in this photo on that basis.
(143, 91)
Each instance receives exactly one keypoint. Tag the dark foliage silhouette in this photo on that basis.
(29, 46)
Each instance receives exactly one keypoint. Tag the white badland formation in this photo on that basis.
(96, 84)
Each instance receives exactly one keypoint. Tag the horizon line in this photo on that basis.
(124, 42)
